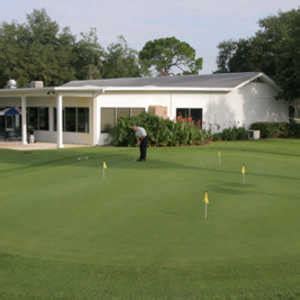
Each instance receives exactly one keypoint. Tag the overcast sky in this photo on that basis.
(202, 23)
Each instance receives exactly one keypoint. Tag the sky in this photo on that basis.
(201, 23)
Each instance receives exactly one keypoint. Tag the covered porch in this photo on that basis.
(57, 116)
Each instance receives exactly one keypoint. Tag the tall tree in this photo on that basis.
(36, 50)
(120, 60)
(88, 56)
(274, 50)
(40, 50)
(167, 56)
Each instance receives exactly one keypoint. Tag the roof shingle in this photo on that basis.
(219, 80)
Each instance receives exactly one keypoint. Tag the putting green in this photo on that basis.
(139, 233)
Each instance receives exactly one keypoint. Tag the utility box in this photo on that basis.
(160, 111)
(36, 84)
(254, 134)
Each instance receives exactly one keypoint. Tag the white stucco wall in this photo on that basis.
(252, 103)
(258, 103)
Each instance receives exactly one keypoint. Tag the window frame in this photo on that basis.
(189, 115)
(116, 117)
(77, 108)
(38, 114)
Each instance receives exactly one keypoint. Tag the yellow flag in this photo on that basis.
(205, 199)
(104, 165)
(243, 170)
(219, 154)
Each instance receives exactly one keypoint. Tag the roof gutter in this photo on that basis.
(164, 89)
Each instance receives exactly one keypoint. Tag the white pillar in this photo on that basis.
(95, 121)
(24, 120)
(59, 119)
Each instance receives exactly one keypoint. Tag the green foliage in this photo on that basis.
(167, 54)
(272, 129)
(232, 134)
(40, 50)
(120, 60)
(274, 50)
(161, 132)
(88, 56)
(37, 50)
(294, 129)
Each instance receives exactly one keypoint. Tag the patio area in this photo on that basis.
(16, 145)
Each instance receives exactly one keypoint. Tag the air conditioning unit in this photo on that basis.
(36, 84)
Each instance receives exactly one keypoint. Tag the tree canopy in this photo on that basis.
(274, 50)
(40, 50)
(120, 60)
(169, 55)
(35, 50)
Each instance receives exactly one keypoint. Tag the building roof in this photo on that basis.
(213, 81)
(219, 83)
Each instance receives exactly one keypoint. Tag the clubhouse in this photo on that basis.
(82, 112)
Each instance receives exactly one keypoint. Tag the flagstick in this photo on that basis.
(244, 179)
(205, 212)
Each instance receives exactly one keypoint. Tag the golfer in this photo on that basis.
(142, 140)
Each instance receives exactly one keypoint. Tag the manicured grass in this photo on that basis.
(66, 233)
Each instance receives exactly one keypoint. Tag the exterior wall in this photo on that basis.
(134, 99)
(258, 103)
(252, 103)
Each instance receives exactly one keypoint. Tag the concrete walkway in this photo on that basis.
(36, 146)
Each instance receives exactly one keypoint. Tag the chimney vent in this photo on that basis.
(11, 84)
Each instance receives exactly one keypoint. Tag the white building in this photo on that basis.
(80, 112)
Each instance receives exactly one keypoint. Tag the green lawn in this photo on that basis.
(139, 233)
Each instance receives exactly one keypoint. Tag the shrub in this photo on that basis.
(160, 132)
(271, 129)
(294, 129)
(232, 134)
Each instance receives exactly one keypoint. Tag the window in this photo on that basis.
(38, 118)
(110, 116)
(32, 117)
(70, 119)
(123, 112)
(190, 115)
(9, 122)
(43, 118)
(136, 111)
(75, 119)
(83, 119)
(108, 119)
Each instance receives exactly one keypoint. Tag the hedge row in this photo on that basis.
(272, 129)
(161, 132)
(231, 134)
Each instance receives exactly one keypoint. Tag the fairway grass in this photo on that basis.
(140, 233)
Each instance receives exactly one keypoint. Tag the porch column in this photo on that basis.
(95, 120)
(24, 120)
(59, 120)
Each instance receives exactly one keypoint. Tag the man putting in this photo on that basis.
(142, 140)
